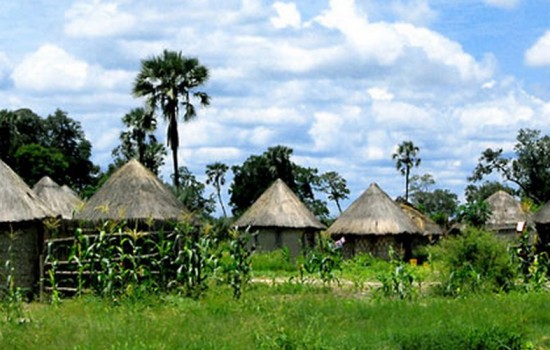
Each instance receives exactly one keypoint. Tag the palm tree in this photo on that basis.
(406, 158)
(168, 81)
(215, 173)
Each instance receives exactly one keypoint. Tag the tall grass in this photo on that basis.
(271, 318)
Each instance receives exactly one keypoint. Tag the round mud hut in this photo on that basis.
(135, 195)
(280, 220)
(62, 201)
(373, 223)
(506, 213)
(21, 229)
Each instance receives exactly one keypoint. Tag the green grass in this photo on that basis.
(284, 316)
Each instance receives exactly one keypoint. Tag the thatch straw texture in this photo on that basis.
(373, 213)
(278, 206)
(426, 225)
(17, 201)
(543, 215)
(133, 192)
(506, 211)
(63, 202)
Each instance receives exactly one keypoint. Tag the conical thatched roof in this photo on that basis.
(543, 215)
(373, 213)
(278, 206)
(133, 192)
(61, 201)
(506, 211)
(426, 225)
(17, 201)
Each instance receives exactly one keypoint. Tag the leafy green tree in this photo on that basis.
(168, 81)
(257, 173)
(139, 141)
(335, 187)
(191, 193)
(50, 143)
(439, 204)
(529, 169)
(406, 158)
(215, 173)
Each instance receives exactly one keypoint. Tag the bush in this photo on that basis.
(472, 262)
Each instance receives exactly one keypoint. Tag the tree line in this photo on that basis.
(170, 85)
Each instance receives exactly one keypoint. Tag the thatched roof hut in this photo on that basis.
(426, 225)
(133, 193)
(17, 201)
(63, 202)
(21, 228)
(372, 223)
(506, 212)
(278, 206)
(281, 220)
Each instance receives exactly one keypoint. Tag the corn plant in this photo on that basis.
(399, 280)
(238, 267)
(12, 296)
(323, 260)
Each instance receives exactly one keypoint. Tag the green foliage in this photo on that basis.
(475, 214)
(11, 295)
(335, 186)
(55, 146)
(529, 169)
(399, 280)
(169, 81)
(215, 174)
(191, 194)
(238, 267)
(276, 262)
(480, 193)
(139, 141)
(440, 205)
(532, 265)
(406, 158)
(474, 261)
(322, 261)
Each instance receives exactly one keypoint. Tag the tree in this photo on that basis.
(257, 173)
(215, 173)
(139, 141)
(191, 193)
(529, 169)
(406, 158)
(55, 146)
(168, 81)
(335, 187)
(439, 204)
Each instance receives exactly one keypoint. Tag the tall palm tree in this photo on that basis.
(215, 173)
(168, 81)
(406, 158)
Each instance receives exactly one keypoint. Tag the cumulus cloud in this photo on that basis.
(51, 68)
(287, 15)
(97, 18)
(416, 12)
(539, 53)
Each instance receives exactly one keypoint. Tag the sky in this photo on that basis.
(341, 82)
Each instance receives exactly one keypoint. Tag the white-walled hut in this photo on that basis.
(281, 220)
(506, 213)
(372, 223)
(21, 228)
(134, 194)
(62, 201)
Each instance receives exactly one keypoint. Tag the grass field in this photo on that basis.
(285, 316)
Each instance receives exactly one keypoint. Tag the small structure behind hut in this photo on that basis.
(134, 194)
(61, 200)
(21, 228)
(506, 213)
(372, 223)
(542, 224)
(281, 220)
(430, 231)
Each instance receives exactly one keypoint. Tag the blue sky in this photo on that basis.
(342, 82)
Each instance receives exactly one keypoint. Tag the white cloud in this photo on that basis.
(539, 53)
(50, 68)
(505, 4)
(416, 12)
(380, 94)
(287, 15)
(97, 18)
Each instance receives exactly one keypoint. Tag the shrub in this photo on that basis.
(472, 262)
